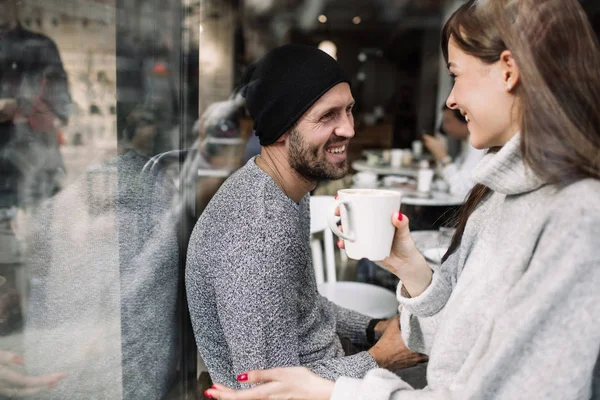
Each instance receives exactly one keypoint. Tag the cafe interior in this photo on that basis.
(161, 79)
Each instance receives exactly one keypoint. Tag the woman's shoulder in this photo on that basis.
(583, 195)
(576, 206)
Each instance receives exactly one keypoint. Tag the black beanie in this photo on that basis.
(281, 86)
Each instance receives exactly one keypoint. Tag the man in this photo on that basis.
(251, 289)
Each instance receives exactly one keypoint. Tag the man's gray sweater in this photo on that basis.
(251, 289)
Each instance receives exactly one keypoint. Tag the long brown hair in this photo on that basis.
(558, 56)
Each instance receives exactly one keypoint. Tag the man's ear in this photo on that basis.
(510, 70)
(283, 138)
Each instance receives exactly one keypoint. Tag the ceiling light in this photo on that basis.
(329, 47)
(356, 20)
(322, 18)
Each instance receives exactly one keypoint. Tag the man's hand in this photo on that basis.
(380, 328)
(391, 353)
(8, 109)
(436, 146)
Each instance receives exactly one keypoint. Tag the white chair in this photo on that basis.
(365, 298)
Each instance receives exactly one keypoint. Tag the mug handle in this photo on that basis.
(332, 221)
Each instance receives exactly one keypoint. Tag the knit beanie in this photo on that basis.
(282, 85)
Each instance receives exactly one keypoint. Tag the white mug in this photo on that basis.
(365, 179)
(367, 221)
(417, 148)
(424, 180)
(396, 157)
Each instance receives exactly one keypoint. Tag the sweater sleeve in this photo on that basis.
(545, 338)
(257, 305)
(420, 315)
(350, 324)
(257, 308)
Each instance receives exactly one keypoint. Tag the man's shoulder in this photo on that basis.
(248, 206)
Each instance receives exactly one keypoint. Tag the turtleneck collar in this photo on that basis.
(505, 171)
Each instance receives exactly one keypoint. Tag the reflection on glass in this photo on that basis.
(90, 303)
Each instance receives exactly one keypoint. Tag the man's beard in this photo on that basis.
(307, 162)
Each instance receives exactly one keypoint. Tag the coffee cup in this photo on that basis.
(424, 180)
(396, 157)
(366, 216)
(417, 148)
(365, 179)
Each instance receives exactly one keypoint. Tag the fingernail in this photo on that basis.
(206, 394)
(213, 387)
(336, 197)
(18, 360)
(399, 216)
(242, 377)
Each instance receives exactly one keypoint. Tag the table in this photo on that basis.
(439, 199)
(361, 165)
(214, 173)
(436, 198)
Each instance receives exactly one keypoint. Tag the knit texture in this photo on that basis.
(514, 313)
(251, 288)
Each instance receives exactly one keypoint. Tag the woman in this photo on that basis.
(514, 311)
(456, 173)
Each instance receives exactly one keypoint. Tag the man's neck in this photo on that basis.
(275, 163)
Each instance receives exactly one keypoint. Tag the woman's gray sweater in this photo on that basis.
(515, 312)
(251, 288)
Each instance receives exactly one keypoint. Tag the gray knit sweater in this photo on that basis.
(251, 289)
(515, 312)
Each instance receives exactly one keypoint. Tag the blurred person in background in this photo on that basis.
(215, 153)
(34, 100)
(456, 173)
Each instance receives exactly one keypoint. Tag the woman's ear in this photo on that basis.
(510, 70)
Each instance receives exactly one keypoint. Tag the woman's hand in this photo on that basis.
(13, 384)
(436, 146)
(405, 261)
(296, 383)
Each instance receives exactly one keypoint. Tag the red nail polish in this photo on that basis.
(399, 216)
(208, 395)
(336, 197)
(242, 377)
(213, 387)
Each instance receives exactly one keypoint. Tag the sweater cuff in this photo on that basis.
(346, 388)
(428, 303)
(365, 359)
